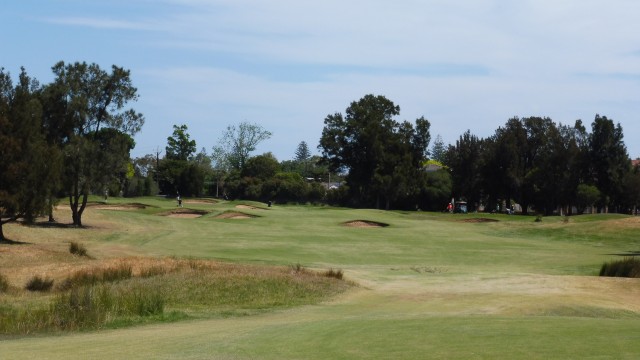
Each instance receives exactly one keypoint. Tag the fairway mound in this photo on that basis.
(185, 213)
(365, 224)
(235, 215)
(248, 207)
(200, 201)
(118, 207)
(479, 220)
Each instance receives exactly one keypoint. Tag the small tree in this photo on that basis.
(238, 142)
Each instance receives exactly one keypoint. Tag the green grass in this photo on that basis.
(432, 285)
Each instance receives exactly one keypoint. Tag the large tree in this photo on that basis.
(27, 163)
(88, 99)
(464, 162)
(608, 160)
(381, 155)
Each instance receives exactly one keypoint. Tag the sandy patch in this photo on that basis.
(234, 215)
(365, 224)
(184, 213)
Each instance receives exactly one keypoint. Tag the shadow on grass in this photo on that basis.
(6, 241)
(627, 254)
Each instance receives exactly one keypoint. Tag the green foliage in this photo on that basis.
(179, 145)
(238, 142)
(628, 267)
(586, 195)
(382, 156)
(302, 152)
(38, 283)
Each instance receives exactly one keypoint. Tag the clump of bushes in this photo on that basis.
(77, 249)
(39, 284)
(627, 267)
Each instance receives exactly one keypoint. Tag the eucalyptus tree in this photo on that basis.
(88, 99)
(238, 142)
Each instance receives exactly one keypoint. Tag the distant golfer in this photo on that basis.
(179, 200)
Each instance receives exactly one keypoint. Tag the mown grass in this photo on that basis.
(433, 286)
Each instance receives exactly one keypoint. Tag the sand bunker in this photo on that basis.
(234, 215)
(365, 224)
(479, 220)
(184, 213)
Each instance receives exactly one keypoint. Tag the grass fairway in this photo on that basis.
(432, 285)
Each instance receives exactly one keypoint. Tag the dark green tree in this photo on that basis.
(179, 145)
(262, 167)
(464, 162)
(608, 160)
(302, 152)
(28, 165)
(381, 156)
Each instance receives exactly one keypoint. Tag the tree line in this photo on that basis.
(68, 138)
(546, 167)
(72, 137)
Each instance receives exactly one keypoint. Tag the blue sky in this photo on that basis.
(287, 64)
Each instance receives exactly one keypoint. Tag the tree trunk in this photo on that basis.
(1, 233)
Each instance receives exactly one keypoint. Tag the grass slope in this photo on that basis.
(433, 285)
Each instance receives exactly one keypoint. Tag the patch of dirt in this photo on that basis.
(234, 215)
(365, 224)
(479, 220)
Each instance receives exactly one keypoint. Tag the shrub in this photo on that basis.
(4, 284)
(628, 267)
(39, 284)
(77, 249)
(334, 274)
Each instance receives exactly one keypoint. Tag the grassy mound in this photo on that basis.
(95, 298)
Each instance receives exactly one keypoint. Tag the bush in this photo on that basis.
(77, 249)
(628, 267)
(4, 284)
(39, 284)
(337, 274)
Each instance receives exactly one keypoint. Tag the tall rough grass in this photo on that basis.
(97, 298)
(627, 267)
(4, 284)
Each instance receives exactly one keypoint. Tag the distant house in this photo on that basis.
(635, 163)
